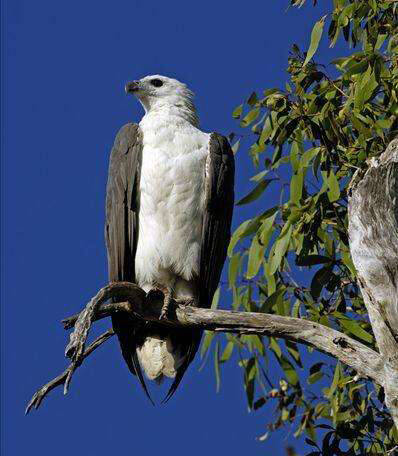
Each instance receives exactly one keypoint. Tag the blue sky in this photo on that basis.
(63, 72)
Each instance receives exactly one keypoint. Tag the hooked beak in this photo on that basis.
(132, 87)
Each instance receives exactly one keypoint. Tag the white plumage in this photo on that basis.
(171, 203)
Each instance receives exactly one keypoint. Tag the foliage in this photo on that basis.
(309, 138)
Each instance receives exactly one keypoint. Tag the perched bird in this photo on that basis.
(169, 202)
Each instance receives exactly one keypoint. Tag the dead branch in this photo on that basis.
(134, 301)
(65, 377)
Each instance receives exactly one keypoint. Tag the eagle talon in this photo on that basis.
(163, 314)
(192, 302)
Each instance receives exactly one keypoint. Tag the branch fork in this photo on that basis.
(131, 299)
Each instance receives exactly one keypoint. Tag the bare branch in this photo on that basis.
(66, 374)
(364, 360)
(78, 337)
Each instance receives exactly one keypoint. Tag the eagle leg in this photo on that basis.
(168, 296)
(167, 292)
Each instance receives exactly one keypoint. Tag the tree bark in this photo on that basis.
(351, 352)
(373, 234)
(364, 360)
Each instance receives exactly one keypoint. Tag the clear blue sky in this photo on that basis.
(64, 68)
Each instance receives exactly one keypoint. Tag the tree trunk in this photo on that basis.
(373, 234)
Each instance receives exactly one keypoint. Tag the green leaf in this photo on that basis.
(255, 193)
(209, 335)
(289, 370)
(235, 147)
(250, 375)
(333, 185)
(227, 352)
(281, 246)
(252, 100)
(309, 155)
(233, 269)
(296, 187)
(260, 176)
(365, 88)
(274, 346)
(267, 130)
(316, 35)
(216, 297)
(237, 112)
(353, 327)
(250, 117)
(217, 366)
(258, 343)
(294, 156)
(256, 256)
(266, 230)
(293, 351)
(314, 377)
(248, 225)
(336, 377)
(320, 279)
(273, 299)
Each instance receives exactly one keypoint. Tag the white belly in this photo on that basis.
(171, 202)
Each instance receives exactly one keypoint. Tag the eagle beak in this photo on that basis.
(132, 87)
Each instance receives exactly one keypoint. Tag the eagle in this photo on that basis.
(169, 203)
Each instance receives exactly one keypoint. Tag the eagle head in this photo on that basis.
(158, 91)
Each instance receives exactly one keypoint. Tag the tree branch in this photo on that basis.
(373, 234)
(66, 375)
(364, 360)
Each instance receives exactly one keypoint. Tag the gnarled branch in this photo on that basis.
(364, 360)
(64, 378)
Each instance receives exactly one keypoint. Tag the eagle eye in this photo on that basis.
(156, 82)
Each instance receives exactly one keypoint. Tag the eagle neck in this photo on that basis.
(171, 112)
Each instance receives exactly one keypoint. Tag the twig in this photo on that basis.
(66, 374)
(78, 337)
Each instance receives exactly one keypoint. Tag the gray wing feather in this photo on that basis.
(121, 232)
(216, 234)
(121, 227)
(216, 231)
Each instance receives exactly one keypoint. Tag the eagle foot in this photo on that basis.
(192, 302)
(157, 293)
(165, 307)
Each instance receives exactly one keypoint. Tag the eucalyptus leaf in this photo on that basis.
(255, 193)
(316, 36)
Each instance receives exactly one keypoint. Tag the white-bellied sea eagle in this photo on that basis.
(169, 202)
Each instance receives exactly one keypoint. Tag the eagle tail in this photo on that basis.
(124, 329)
(195, 336)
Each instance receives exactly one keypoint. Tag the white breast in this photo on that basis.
(171, 198)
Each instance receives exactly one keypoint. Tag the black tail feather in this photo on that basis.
(124, 329)
(193, 348)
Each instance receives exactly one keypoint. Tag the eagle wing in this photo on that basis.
(216, 233)
(121, 231)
